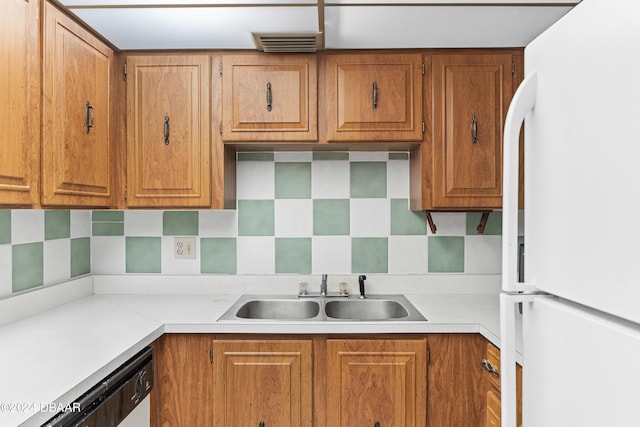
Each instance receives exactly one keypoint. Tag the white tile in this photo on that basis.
(331, 255)
(483, 254)
(330, 179)
(368, 156)
(398, 179)
(108, 255)
(449, 223)
(256, 255)
(369, 217)
(80, 223)
(408, 255)
(27, 226)
(5, 271)
(171, 265)
(218, 223)
(293, 217)
(255, 180)
(57, 260)
(143, 223)
(293, 156)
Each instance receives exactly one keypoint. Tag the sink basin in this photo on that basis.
(365, 309)
(285, 309)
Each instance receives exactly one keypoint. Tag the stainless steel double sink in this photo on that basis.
(322, 308)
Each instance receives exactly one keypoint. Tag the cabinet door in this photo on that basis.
(76, 147)
(19, 109)
(374, 97)
(269, 98)
(376, 381)
(266, 382)
(168, 131)
(471, 94)
(491, 364)
(183, 372)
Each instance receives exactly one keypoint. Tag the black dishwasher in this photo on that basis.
(112, 399)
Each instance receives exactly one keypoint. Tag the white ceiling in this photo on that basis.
(346, 24)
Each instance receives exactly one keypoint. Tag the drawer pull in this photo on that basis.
(489, 368)
(474, 129)
(166, 130)
(88, 121)
(269, 96)
(374, 96)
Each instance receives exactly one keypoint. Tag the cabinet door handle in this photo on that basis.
(376, 424)
(166, 130)
(261, 424)
(474, 129)
(374, 95)
(489, 368)
(88, 121)
(269, 96)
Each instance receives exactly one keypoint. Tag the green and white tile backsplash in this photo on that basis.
(297, 213)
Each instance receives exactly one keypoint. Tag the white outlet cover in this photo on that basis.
(184, 247)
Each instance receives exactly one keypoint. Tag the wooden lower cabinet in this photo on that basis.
(376, 382)
(491, 364)
(262, 383)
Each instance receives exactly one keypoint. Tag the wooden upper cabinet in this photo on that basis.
(168, 131)
(263, 381)
(76, 141)
(19, 108)
(376, 381)
(269, 98)
(471, 95)
(374, 97)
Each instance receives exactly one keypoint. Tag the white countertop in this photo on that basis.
(56, 355)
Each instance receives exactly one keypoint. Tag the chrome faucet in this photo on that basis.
(323, 285)
(361, 280)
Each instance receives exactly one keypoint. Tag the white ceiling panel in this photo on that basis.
(408, 26)
(196, 27)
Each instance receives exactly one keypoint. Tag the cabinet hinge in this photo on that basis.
(211, 353)
(220, 69)
(428, 355)
(424, 127)
(423, 72)
(220, 128)
(126, 192)
(125, 70)
(513, 67)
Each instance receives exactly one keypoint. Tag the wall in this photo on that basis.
(298, 213)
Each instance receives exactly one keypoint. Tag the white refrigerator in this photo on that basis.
(580, 299)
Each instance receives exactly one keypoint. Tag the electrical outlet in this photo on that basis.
(184, 247)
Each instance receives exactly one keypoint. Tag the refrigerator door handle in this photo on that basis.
(524, 100)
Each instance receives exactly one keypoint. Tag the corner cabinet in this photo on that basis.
(374, 97)
(376, 382)
(168, 131)
(76, 132)
(264, 383)
(269, 98)
(491, 364)
(459, 166)
(20, 107)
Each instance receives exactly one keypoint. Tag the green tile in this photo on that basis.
(255, 157)
(369, 255)
(330, 155)
(218, 255)
(293, 180)
(368, 179)
(406, 222)
(180, 223)
(27, 264)
(399, 156)
(256, 218)
(80, 256)
(331, 217)
(293, 255)
(493, 227)
(57, 224)
(107, 229)
(5, 226)
(108, 216)
(143, 254)
(446, 254)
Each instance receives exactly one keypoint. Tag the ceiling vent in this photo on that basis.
(288, 42)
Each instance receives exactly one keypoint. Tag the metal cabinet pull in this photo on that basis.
(374, 95)
(489, 368)
(261, 424)
(376, 424)
(474, 129)
(166, 130)
(88, 121)
(268, 96)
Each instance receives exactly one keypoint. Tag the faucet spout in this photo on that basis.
(361, 280)
(323, 285)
